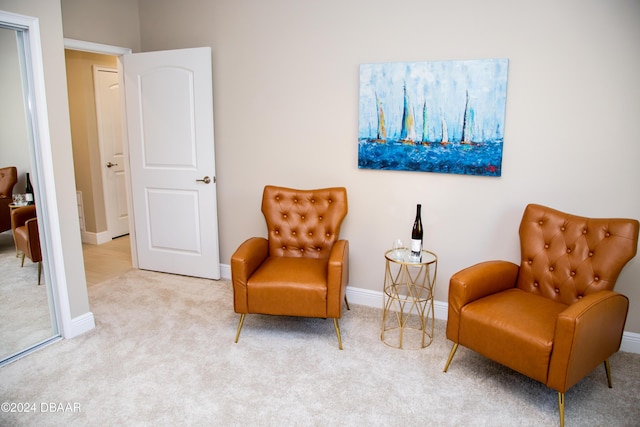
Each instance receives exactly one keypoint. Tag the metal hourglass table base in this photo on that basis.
(408, 299)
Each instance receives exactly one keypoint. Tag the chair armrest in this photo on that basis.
(34, 240)
(244, 261)
(481, 280)
(337, 278)
(587, 333)
(19, 216)
(5, 215)
(476, 282)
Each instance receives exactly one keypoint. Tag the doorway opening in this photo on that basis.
(94, 106)
(95, 114)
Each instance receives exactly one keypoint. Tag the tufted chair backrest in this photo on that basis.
(303, 223)
(565, 257)
(8, 178)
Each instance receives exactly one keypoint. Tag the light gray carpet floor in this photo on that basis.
(163, 354)
(25, 319)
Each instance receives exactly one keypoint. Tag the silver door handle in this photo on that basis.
(206, 180)
(110, 165)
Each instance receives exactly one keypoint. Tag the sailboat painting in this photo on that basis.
(437, 116)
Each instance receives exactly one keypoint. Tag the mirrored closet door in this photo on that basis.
(27, 314)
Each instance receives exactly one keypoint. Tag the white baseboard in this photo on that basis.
(79, 325)
(369, 298)
(630, 342)
(95, 238)
(225, 271)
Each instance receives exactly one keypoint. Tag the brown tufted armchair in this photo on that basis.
(555, 317)
(26, 236)
(302, 269)
(8, 178)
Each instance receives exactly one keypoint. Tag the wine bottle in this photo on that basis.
(416, 235)
(29, 191)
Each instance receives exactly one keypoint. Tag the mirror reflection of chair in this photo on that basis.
(302, 269)
(8, 179)
(555, 317)
(26, 236)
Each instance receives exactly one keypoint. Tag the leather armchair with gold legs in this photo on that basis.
(26, 236)
(302, 268)
(555, 317)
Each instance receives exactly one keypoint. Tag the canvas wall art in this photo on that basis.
(437, 116)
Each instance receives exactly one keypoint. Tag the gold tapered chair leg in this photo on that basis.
(607, 368)
(335, 324)
(347, 302)
(39, 272)
(239, 327)
(561, 408)
(453, 351)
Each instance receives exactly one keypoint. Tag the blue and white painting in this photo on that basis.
(438, 116)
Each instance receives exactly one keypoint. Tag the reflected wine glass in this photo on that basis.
(18, 199)
(397, 248)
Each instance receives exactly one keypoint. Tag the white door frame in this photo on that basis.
(117, 52)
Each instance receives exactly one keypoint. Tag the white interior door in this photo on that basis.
(169, 108)
(109, 117)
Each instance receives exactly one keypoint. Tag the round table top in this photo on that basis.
(403, 256)
(16, 205)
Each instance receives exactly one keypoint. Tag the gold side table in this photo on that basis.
(408, 298)
(12, 207)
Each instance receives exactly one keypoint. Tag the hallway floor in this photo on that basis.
(111, 259)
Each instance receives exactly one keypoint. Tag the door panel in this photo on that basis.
(164, 202)
(169, 106)
(171, 131)
(107, 91)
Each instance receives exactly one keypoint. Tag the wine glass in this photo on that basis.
(397, 248)
(18, 199)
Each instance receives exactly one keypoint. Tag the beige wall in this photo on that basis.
(84, 134)
(14, 140)
(286, 109)
(285, 82)
(112, 22)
